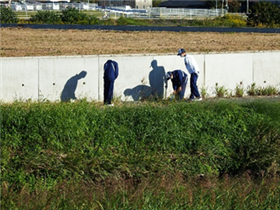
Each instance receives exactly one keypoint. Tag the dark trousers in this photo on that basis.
(194, 89)
(108, 91)
(182, 92)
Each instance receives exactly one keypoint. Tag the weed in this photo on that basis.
(252, 90)
(221, 91)
(239, 90)
(203, 92)
(73, 155)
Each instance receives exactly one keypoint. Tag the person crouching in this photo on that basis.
(179, 81)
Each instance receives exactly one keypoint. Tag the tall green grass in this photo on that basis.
(152, 155)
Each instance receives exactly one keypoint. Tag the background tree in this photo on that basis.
(264, 13)
(7, 15)
(156, 3)
(233, 5)
(213, 3)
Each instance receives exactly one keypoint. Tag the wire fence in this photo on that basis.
(25, 10)
(163, 13)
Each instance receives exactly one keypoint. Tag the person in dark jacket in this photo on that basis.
(111, 72)
(179, 81)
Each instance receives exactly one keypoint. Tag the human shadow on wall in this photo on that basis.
(156, 88)
(139, 93)
(70, 87)
(157, 79)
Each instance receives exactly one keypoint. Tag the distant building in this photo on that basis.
(137, 4)
(200, 4)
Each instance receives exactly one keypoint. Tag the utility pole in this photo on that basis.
(222, 7)
(247, 6)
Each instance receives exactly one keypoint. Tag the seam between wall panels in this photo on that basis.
(253, 69)
(99, 83)
(204, 69)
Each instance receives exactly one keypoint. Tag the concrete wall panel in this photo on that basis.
(266, 69)
(228, 70)
(19, 79)
(65, 78)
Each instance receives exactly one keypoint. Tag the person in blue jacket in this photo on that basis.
(179, 81)
(111, 72)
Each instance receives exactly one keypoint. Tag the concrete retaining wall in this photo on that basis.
(77, 77)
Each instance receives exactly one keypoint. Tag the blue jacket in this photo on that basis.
(179, 77)
(111, 70)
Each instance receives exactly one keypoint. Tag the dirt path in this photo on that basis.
(17, 42)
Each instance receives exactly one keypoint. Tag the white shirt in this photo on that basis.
(191, 64)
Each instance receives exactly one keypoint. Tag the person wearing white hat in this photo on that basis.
(193, 70)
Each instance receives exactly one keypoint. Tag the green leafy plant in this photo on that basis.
(7, 15)
(239, 90)
(49, 17)
(203, 92)
(221, 91)
(252, 90)
(72, 15)
(270, 90)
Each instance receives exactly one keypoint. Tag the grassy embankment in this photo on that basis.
(157, 155)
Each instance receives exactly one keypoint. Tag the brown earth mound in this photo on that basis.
(17, 42)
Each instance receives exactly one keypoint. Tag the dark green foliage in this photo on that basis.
(49, 17)
(264, 14)
(131, 21)
(228, 20)
(67, 16)
(74, 16)
(7, 15)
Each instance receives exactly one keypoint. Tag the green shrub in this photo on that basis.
(49, 17)
(230, 20)
(7, 15)
(264, 14)
(131, 21)
(74, 16)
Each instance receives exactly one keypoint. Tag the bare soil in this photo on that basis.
(21, 42)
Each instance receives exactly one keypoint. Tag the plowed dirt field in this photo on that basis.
(18, 42)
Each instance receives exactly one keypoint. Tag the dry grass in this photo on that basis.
(18, 42)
